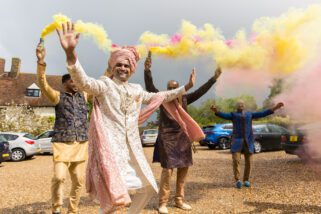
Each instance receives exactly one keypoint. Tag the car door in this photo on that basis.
(276, 132)
(262, 135)
(45, 141)
(12, 139)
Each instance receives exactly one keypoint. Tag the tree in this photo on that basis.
(203, 115)
(275, 89)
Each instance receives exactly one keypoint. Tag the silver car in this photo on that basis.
(21, 145)
(149, 137)
(43, 142)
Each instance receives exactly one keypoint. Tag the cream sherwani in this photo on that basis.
(120, 104)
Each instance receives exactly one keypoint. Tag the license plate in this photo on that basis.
(38, 150)
(293, 138)
(5, 155)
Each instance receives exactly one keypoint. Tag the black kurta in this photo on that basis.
(173, 149)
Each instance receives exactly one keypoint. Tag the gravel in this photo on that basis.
(281, 183)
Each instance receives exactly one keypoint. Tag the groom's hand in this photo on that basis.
(69, 41)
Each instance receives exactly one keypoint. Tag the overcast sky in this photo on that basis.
(22, 21)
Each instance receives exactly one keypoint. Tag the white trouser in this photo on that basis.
(137, 183)
(139, 200)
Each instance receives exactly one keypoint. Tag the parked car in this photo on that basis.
(43, 142)
(268, 137)
(22, 145)
(296, 143)
(149, 137)
(217, 135)
(4, 150)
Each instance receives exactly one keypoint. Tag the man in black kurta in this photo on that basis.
(173, 148)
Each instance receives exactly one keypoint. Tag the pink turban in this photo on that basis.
(124, 53)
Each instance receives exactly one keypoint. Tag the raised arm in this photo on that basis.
(195, 95)
(171, 94)
(149, 83)
(69, 41)
(260, 114)
(168, 95)
(226, 116)
(256, 115)
(46, 89)
(88, 84)
(192, 97)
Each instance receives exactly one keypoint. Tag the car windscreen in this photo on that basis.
(29, 136)
(2, 139)
(150, 132)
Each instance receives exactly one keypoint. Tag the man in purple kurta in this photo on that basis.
(173, 148)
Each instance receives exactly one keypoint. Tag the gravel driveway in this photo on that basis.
(281, 184)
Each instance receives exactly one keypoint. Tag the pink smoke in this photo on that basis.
(229, 43)
(244, 82)
(303, 103)
(176, 38)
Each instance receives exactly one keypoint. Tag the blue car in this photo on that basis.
(217, 135)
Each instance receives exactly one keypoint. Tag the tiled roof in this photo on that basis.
(13, 90)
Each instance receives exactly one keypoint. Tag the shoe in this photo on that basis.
(247, 184)
(183, 206)
(238, 184)
(163, 209)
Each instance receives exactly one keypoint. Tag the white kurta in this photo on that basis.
(120, 104)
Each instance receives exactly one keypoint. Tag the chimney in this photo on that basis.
(2, 65)
(15, 67)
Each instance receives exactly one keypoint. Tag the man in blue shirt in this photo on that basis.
(242, 137)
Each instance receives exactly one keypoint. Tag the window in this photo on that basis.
(260, 129)
(10, 136)
(33, 93)
(46, 135)
(276, 129)
(29, 136)
(151, 131)
(2, 138)
(229, 127)
(208, 127)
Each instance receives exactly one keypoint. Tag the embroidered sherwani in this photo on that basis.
(120, 104)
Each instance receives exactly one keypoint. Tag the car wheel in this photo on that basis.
(18, 155)
(223, 143)
(257, 147)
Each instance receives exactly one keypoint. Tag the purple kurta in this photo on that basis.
(173, 148)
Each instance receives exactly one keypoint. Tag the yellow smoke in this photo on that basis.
(59, 19)
(92, 30)
(283, 44)
(279, 45)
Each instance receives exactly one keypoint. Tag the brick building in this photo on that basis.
(18, 88)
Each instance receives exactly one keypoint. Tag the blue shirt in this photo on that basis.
(242, 128)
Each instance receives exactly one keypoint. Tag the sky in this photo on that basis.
(22, 21)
